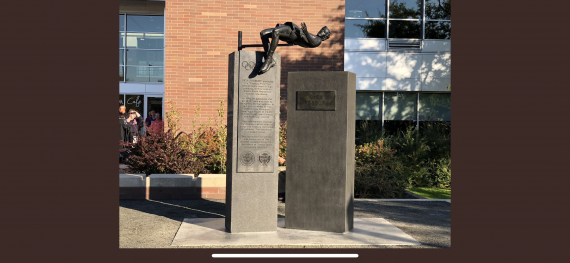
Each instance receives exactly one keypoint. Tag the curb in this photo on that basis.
(414, 196)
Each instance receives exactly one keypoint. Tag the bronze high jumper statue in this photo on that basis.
(291, 34)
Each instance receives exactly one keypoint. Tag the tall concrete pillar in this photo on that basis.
(253, 141)
(320, 150)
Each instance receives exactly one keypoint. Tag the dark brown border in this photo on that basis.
(60, 194)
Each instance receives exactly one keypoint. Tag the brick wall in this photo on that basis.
(200, 34)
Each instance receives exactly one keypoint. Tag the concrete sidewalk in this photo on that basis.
(154, 223)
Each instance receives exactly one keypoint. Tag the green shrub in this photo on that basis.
(377, 172)
(369, 131)
(427, 156)
(203, 150)
(209, 140)
(373, 153)
(441, 173)
(283, 140)
(163, 153)
(377, 181)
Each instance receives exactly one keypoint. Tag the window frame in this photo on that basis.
(423, 19)
(125, 49)
(382, 94)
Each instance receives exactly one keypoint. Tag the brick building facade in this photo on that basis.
(400, 50)
(201, 34)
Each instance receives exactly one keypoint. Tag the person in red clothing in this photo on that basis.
(150, 118)
(157, 125)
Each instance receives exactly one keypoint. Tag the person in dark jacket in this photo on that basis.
(122, 112)
(131, 125)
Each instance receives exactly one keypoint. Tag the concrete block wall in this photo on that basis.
(200, 34)
(172, 186)
(132, 186)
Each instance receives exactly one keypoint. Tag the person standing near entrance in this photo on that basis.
(157, 125)
(122, 112)
(132, 122)
(150, 118)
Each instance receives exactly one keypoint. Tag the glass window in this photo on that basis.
(405, 9)
(121, 56)
(121, 22)
(121, 74)
(365, 9)
(438, 30)
(155, 104)
(121, 40)
(400, 106)
(135, 102)
(145, 40)
(435, 107)
(438, 9)
(136, 57)
(156, 74)
(145, 74)
(368, 106)
(405, 29)
(399, 111)
(365, 28)
(145, 23)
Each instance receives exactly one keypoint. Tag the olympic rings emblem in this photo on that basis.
(248, 65)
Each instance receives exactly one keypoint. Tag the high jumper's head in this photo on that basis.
(324, 34)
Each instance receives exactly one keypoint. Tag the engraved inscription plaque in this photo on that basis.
(316, 100)
(256, 116)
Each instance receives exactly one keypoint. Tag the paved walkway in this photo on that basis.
(154, 223)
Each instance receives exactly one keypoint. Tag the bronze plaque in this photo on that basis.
(316, 100)
(256, 116)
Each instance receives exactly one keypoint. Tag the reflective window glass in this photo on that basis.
(156, 74)
(135, 102)
(121, 56)
(435, 107)
(121, 22)
(121, 74)
(405, 9)
(438, 30)
(400, 106)
(368, 106)
(438, 9)
(365, 9)
(137, 57)
(399, 111)
(365, 28)
(121, 40)
(145, 40)
(145, 23)
(145, 74)
(405, 29)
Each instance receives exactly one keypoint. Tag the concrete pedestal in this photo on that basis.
(320, 150)
(253, 138)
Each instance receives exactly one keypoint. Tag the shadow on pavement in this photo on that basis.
(178, 209)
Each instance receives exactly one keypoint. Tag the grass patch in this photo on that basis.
(432, 193)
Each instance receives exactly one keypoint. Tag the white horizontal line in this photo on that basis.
(285, 255)
(411, 200)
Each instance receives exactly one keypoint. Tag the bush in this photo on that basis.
(206, 140)
(377, 172)
(369, 131)
(283, 140)
(376, 181)
(427, 156)
(163, 153)
(203, 150)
